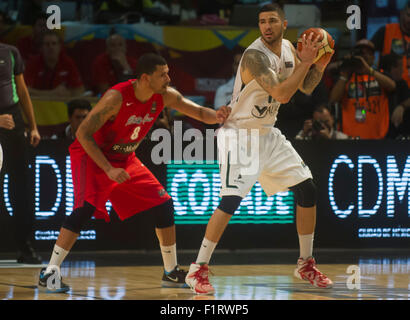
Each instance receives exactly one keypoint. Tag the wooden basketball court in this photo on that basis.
(380, 278)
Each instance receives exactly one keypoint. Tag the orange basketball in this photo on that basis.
(327, 42)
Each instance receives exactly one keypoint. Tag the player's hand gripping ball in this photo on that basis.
(327, 43)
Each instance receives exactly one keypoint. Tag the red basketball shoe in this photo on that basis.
(306, 270)
(197, 279)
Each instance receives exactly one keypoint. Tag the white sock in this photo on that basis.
(57, 257)
(205, 252)
(306, 245)
(169, 256)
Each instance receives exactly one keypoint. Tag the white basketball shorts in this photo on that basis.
(246, 157)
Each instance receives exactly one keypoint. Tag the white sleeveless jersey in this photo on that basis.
(252, 107)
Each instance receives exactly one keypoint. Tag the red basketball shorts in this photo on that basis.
(142, 192)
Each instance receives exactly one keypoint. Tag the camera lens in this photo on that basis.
(317, 126)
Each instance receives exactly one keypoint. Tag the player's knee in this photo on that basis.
(305, 193)
(164, 215)
(229, 204)
(79, 217)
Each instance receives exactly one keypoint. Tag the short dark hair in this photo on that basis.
(148, 63)
(77, 104)
(272, 7)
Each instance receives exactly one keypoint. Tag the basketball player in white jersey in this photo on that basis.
(268, 75)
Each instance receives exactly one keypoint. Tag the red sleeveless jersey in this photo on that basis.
(118, 139)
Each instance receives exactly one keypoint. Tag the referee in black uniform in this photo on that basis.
(14, 141)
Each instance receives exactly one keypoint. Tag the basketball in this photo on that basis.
(327, 42)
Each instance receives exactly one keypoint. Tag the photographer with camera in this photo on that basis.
(363, 94)
(320, 127)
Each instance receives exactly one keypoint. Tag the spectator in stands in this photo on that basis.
(30, 45)
(223, 93)
(362, 93)
(321, 126)
(77, 111)
(112, 66)
(53, 73)
(399, 99)
(395, 37)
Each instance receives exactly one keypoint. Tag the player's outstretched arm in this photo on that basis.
(174, 100)
(108, 106)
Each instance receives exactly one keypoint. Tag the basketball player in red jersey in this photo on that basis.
(104, 165)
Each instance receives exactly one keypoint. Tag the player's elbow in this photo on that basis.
(306, 90)
(80, 133)
(21, 93)
(280, 95)
(21, 87)
(283, 99)
(207, 115)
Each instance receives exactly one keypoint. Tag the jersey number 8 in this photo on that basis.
(135, 133)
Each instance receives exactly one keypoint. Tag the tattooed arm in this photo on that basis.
(311, 81)
(315, 73)
(256, 65)
(106, 108)
(176, 101)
